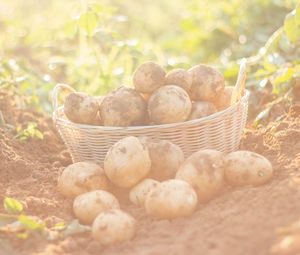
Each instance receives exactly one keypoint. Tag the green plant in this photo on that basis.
(15, 224)
(29, 132)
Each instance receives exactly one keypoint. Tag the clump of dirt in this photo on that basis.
(239, 221)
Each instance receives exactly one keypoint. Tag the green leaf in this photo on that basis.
(39, 134)
(88, 21)
(30, 224)
(12, 206)
(288, 74)
(32, 125)
(97, 7)
(75, 228)
(291, 27)
(71, 28)
(22, 235)
(23, 139)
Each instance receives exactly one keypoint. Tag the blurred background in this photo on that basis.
(95, 46)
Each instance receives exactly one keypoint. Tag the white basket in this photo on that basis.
(220, 131)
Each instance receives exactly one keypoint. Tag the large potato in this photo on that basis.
(201, 109)
(81, 108)
(224, 99)
(127, 162)
(113, 226)
(138, 193)
(204, 170)
(171, 199)
(247, 168)
(166, 158)
(179, 77)
(207, 83)
(123, 107)
(169, 104)
(88, 205)
(148, 77)
(82, 177)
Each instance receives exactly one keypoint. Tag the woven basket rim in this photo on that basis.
(64, 121)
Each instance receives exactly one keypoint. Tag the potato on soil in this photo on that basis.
(127, 162)
(82, 177)
(123, 107)
(166, 158)
(81, 108)
(88, 206)
(113, 226)
(169, 104)
(224, 99)
(148, 77)
(207, 83)
(179, 77)
(202, 109)
(171, 199)
(204, 170)
(247, 168)
(138, 193)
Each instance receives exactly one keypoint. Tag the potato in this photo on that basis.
(138, 193)
(80, 108)
(88, 205)
(207, 83)
(204, 170)
(82, 177)
(171, 199)
(247, 168)
(127, 162)
(202, 109)
(166, 158)
(169, 104)
(179, 77)
(223, 101)
(148, 77)
(123, 107)
(113, 226)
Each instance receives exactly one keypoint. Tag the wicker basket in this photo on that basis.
(221, 131)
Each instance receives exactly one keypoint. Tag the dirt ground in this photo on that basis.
(239, 221)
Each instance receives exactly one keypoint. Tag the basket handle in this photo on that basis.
(239, 88)
(55, 97)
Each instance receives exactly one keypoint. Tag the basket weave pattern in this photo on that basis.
(220, 131)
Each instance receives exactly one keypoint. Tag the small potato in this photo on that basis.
(148, 77)
(171, 199)
(208, 83)
(204, 170)
(179, 77)
(247, 168)
(82, 177)
(223, 101)
(123, 107)
(202, 109)
(138, 193)
(169, 104)
(166, 158)
(81, 108)
(88, 205)
(127, 162)
(113, 226)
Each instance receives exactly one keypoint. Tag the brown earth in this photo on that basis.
(239, 221)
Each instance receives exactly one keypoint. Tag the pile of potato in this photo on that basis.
(157, 178)
(157, 98)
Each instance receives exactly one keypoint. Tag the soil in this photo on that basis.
(240, 220)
